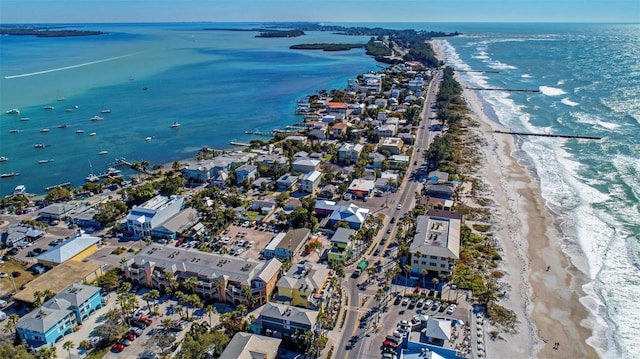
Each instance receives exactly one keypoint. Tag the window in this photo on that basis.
(433, 257)
(424, 263)
(433, 264)
(415, 261)
(443, 265)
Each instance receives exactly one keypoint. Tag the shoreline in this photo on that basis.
(547, 303)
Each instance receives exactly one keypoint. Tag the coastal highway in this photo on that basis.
(407, 199)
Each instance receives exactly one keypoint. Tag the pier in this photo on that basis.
(498, 89)
(241, 144)
(61, 185)
(481, 71)
(549, 135)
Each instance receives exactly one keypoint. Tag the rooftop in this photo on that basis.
(437, 236)
(205, 265)
(68, 249)
(58, 278)
(251, 346)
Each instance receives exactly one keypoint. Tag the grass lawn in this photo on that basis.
(6, 286)
(98, 352)
(251, 215)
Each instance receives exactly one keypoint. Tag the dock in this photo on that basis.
(61, 185)
(499, 89)
(549, 135)
(258, 133)
(241, 144)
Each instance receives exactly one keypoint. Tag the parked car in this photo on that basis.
(117, 347)
(3, 303)
(145, 320)
(389, 343)
(405, 300)
(451, 308)
(15, 274)
(420, 303)
(135, 331)
(3, 275)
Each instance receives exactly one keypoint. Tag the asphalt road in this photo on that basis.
(410, 185)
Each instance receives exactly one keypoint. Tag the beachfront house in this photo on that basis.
(248, 346)
(246, 172)
(337, 109)
(304, 285)
(279, 320)
(436, 244)
(393, 145)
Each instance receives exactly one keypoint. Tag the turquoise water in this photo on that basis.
(589, 78)
(216, 84)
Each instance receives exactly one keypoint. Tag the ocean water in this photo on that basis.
(216, 84)
(589, 80)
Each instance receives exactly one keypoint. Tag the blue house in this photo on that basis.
(58, 316)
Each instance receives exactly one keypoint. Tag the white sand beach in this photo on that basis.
(545, 301)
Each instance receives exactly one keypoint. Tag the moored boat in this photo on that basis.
(148, 138)
(105, 110)
(79, 131)
(44, 161)
(92, 134)
(9, 174)
(3, 159)
(24, 118)
(103, 152)
(44, 130)
(68, 109)
(175, 125)
(96, 118)
(64, 125)
(38, 145)
(48, 107)
(14, 131)
(13, 111)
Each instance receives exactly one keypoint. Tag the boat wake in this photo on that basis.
(69, 67)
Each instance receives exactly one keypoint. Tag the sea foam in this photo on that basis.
(551, 91)
(568, 102)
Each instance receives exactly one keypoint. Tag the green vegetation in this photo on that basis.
(281, 33)
(109, 212)
(8, 350)
(46, 32)
(14, 203)
(58, 194)
(326, 47)
(110, 280)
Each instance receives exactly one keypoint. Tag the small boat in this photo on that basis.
(63, 126)
(112, 172)
(9, 174)
(96, 118)
(20, 189)
(14, 131)
(79, 131)
(68, 109)
(3, 159)
(175, 125)
(92, 134)
(103, 153)
(48, 107)
(44, 130)
(13, 111)
(76, 106)
(60, 99)
(39, 145)
(92, 178)
(148, 138)
(24, 118)
(105, 110)
(44, 161)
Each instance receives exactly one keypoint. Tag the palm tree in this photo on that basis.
(241, 309)
(37, 298)
(147, 297)
(154, 295)
(68, 345)
(424, 277)
(435, 283)
(11, 323)
(46, 353)
(247, 293)
(166, 324)
(210, 310)
(190, 283)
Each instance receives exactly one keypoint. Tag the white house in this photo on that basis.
(310, 181)
(349, 152)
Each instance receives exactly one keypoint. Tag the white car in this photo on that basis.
(3, 303)
(451, 308)
(3, 275)
(399, 207)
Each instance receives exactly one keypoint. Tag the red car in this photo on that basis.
(16, 274)
(130, 336)
(389, 343)
(117, 347)
(146, 321)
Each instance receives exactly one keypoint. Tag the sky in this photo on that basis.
(90, 11)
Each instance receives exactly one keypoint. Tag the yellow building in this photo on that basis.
(304, 286)
(392, 144)
(75, 248)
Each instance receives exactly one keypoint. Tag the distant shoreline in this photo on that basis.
(45, 32)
